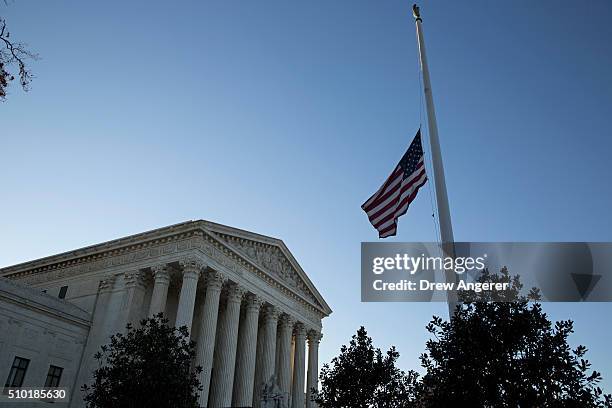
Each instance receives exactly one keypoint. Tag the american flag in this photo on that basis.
(391, 201)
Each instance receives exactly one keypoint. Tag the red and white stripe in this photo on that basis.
(392, 200)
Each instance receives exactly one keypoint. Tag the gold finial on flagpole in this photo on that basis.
(416, 12)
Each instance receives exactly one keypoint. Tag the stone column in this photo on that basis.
(283, 371)
(292, 359)
(297, 390)
(258, 362)
(277, 357)
(245, 358)
(225, 357)
(312, 379)
(132, 299)
(96, 338)
(161, 278)
(205, 345)
(265, 369)
(191, 274)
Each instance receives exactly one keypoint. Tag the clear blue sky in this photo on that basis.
(282, 118)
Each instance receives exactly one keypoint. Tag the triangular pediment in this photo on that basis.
(267, 254)
(272, 256)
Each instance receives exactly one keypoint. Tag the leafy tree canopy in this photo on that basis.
(506, 354)
(498, 351)
(363, 377)
(149, 366)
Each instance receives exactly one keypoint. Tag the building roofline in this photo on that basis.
(16, 292)
(92, 249)
(158, 233)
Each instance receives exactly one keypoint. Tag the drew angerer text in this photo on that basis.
(425, 285)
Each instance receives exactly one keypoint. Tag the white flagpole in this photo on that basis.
(444, 217)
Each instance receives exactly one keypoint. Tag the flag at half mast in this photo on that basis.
(392, 200)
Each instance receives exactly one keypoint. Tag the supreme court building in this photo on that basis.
(253, 312)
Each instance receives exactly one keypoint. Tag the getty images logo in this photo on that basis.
(414, 264)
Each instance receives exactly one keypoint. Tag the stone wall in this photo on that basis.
(44, 329)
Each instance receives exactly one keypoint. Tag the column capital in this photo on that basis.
(270, 312)
(106, 284)
(286, 320)
(161, 273)
(191, 265)
(252, 302)
(214, 280)
(134, 278)
(234, 293)
(299, 329)
(314, 336)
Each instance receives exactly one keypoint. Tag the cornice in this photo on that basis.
(222, 230)
(103, 250)
(159, 242)
(241, 261)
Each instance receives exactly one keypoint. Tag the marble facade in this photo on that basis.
(247, 303)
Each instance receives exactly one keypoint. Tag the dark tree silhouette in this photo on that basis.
(13, 54)
(149, 366)
(506, 354)
(363, 377)
(512, 294)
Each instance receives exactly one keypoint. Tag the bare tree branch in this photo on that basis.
(13, 53)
